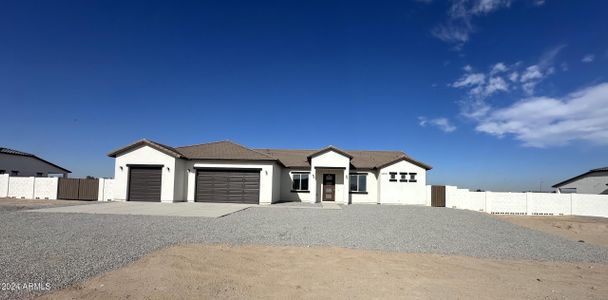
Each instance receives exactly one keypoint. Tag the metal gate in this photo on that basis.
(78, 189)
(438, 196)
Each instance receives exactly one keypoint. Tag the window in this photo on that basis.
(300, 182)
(393, 176)
(403, 177)
(2, 171)
(39, 174)
(358, 183)
(14, 173)
(412, 177)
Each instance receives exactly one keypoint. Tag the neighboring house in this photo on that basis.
(228, 172)
(17, 163)
(593, 182)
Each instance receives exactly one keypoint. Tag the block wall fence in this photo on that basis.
(535, 204)
(44, 187)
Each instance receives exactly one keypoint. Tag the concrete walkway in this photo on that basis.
(181, 209)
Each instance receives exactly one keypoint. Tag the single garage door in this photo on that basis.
(228, 186)
(144, 183)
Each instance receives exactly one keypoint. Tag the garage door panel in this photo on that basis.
(230, 186)
(145, 184)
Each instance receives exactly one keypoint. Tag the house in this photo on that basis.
(592, 182)
(18, 163)
(227, 172)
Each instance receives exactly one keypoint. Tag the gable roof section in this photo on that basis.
(327, 149)
(143, 142)
(361, 159)
(557, 185)
(223, 150)
(290, 158)
(20, 153)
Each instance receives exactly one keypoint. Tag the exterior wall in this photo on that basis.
(181, 179)
(27, 166)
(286, 184)
(3, 185)
(330, 159)
(528, 203)
(372, 189)
(106, 189)
(45, 188)
(402, 192)
(144, 156)
(266, 176)
(277, 172)
(21, 187)
(594, 183)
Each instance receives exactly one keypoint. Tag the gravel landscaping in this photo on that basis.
(62, 249)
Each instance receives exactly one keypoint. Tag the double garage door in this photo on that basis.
(227, 186)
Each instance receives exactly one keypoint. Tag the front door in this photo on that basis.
(329, 187)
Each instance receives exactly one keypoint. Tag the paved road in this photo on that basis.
(66, 248)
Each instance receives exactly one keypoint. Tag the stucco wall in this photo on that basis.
(3, 185)
(372, 189)
(330, 159)
(106, 189)
(403, 192)
(144, 156)
(27, 166)
(594, 183)
(45, 188)
(21, 187)
(277, 171)
(286, 184)
(266, 175)
(528, 203)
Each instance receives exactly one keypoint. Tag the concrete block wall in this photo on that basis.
(21, 187)
(45, 187)
(3, 185)
(538, 204)
(106, 189)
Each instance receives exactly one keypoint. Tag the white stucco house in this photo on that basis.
(227, 172)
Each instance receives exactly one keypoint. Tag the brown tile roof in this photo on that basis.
(158, 146)
(227, 150)
(222, 150)
(361, 159)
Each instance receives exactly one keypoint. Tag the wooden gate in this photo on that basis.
(438, 196)
(78, 189)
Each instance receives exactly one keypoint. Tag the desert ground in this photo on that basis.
(238, 272)
(582, 229)
(356, 252)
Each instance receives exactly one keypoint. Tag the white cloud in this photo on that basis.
(498, 68)
(502, 78)
(544, 122)
(472, 79)
(458, 27)
(442, 124)
(588, 58)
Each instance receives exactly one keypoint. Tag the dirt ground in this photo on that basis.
(591, 230)
(230, 272)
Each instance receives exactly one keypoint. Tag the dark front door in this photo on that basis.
(329, 187)
(229, 186)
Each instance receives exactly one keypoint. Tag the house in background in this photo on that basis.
(228, 172)
(593, 182)
(17, 163)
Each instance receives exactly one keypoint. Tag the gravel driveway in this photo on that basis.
(66, 248)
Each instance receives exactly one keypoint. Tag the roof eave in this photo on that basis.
(146, 143)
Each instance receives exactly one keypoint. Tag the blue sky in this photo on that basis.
(495, 94)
